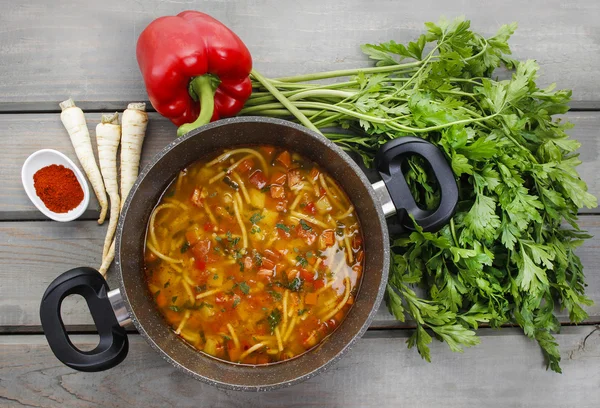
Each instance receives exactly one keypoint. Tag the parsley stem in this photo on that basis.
(284, 101)
(453, 231)
(348, 72)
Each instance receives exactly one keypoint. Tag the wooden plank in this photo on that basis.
(502, 371)
(88, 51)
(26, 133)
(35, 253)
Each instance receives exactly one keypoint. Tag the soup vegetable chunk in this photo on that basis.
(254, 255)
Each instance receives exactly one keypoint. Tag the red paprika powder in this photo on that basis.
(58, 188)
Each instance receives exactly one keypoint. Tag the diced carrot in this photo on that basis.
(314, 173)
(234, 354)
(292, 273)
(196, 198)
(294, 177)
(201, 248)
(192, 236)
(328, 237)
(258, 179)
(360, 256)
(278, 178)
(312, 260)
(277, 191)
(268, 150)
(311, 299)
(161, 300)
(245, 166)
(284, 159)
(267, 263)
(251, 360)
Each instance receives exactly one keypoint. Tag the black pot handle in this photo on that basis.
(90, 284)
(389, 160)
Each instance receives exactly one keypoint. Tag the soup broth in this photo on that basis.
(254, 255)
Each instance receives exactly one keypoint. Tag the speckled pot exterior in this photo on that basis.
(143, 198)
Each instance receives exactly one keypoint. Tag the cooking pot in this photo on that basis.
(132, 302)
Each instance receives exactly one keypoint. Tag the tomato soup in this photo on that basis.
(254, 255)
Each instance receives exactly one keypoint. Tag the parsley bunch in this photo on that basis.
(507, 256)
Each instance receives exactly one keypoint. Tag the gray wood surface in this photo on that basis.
(51, 50)
(505, 370)
(35, 253)
(23, 134)
(86, 49)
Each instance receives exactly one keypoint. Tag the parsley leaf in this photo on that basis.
(305, 226)
(283, 227)
(274, 318)
(244, 288)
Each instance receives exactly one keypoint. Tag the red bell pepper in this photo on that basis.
(195, 69)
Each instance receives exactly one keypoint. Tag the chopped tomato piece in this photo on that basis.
(277, 191)
(294, 177)
(310, 299)
(200, 264)
(309, 236)
(285, 159)
(267, 263)
(318, 284)
(208, 226)
(360, 256)
(193, 236)
(281, 205)
(201, 248)
(197, 198)
(262, 359)
(356, 242)
(322, 191)
(212, 258)
(258, 179)
(350, 300)
(265, 273)
(314, 174)
(306, 275)
(245, 166)
(274, 256)
(150, 257)
(278, 178)
(310, 208)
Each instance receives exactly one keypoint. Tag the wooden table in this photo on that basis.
(86, 50)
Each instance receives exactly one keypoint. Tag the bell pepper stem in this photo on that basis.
(205, 90)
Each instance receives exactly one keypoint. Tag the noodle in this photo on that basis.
(309, 219)
(329, 194)
(348, 249)
(288, 332)
(234, 336)
(251, 350)
(296, 202)
(278, 336)
(242, 226)
(153, 217)
(242, 185)
(285, 306)
(324, 288)
(183, 322)
(238, 198)
(209, 293)
(161, 256)
(346, 214)
(176, 202)
(188, 288)
(230, 153)
(347, 284)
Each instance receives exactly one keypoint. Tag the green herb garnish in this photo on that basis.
(256, 217)
(295, 284)
(305, 226)
(185, 247)
(283, 227)
(174, 308)
(302, 261)
(167, 283)
(173, 299)
(244, 288)
(274, 318)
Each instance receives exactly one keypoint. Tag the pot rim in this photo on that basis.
(349, 163)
